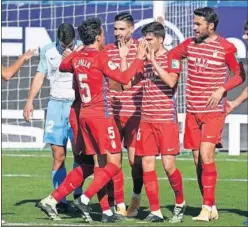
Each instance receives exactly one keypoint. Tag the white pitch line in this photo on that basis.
(70, 156)
(126, 178)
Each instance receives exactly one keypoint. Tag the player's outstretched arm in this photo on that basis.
(168, 78)
(36, 85)
(34, 90)
(231, 105)
(111, 70)
(9, 72)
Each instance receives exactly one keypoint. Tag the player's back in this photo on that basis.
(92, 83)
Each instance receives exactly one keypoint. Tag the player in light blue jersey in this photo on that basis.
(57, 127)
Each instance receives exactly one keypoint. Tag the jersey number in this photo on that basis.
(111, 132)
(49, 126)
(84, 89)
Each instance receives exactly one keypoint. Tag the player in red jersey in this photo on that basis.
(100, 134)
(158, 131)
(126, 103)
(209, 57)
(77, 176)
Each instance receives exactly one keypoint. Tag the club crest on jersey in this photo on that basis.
(201, 64)
(215, 53)
(112, 65)
(175, 64)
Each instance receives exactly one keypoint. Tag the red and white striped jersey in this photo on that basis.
(208, 69)
(127, 102)
(159, 100)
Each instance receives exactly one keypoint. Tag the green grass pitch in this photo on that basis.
(26, 178)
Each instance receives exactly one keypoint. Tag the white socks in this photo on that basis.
(52, 200)
(108, 212)
(157, 213)
(84, 199)
(121, 206)
(181, 204)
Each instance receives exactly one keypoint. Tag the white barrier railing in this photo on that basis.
(233, 120)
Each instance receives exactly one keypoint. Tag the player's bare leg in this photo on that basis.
(175, 179)
(59, 172)
(137, 176)
(209, 178)
(152, 188)
(198, 165)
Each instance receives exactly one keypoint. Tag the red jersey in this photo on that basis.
(91, 67)
(126, 102)
(159, 100)
(208, 64)
(77, 101)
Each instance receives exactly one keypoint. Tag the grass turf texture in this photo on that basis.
(26, 180)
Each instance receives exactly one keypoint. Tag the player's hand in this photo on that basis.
(28, 54)
(160, 20)
(141, 51)
(215, 98)
(80, 47)
(66, 53)
(123, 48)
(150, 53)
(28, 111)
(231, 105)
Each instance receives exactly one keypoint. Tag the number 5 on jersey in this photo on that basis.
(84, 88)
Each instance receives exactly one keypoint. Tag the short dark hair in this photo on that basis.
(127, 17)
(246, 25)
(154, 27)
(89, 29)
(209, 14)
(66, 33)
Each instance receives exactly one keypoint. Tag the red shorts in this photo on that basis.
(157, 138)
(203, 127)
(128, 127)
(79, 146)
(100, 135)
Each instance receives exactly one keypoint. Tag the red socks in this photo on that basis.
(102, 194)
(175, 180)
(101, 179)
(152, 189)
(73, 180)
(118, 181)
(209, 179)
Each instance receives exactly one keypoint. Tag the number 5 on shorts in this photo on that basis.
(111, 132)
